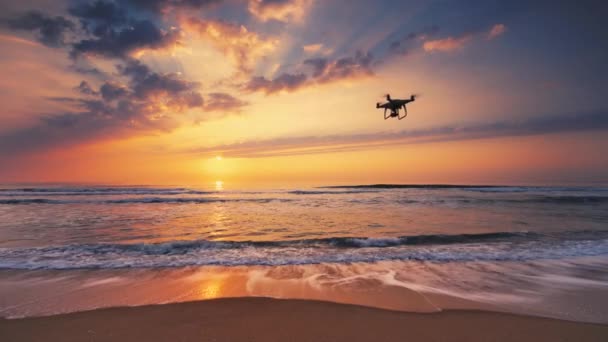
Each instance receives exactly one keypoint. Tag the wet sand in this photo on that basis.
(264, 319)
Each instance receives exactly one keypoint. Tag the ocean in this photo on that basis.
(533, 250)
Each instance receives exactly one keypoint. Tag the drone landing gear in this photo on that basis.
(404, 115)
(394, 113)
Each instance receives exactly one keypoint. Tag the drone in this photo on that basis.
(395, 106)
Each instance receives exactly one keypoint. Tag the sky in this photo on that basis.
(285, 91)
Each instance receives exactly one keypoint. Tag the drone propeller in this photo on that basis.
(382, 97)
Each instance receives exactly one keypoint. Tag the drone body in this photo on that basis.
(395, 105)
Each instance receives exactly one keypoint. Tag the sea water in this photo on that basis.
(538, 250)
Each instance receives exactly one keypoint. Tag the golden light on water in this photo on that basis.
(211, 289)
(219, 185)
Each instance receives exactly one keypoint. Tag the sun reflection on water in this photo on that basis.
(211, 289)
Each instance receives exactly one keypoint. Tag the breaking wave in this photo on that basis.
(328, 192)
(558, 200)
(502, 246)
(143, 200)
(100, 191)
(412, 186)
(381, 192)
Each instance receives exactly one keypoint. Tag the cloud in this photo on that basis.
(163, 6)
(426, 39)
(312, 48)
(317, 49)
(146, 83)
(96, 119)
(18, 40)
(149, 101)
(106, 29)
(281, 10)
(496, 31)
(284, 82)
(124, 41)
(147, 96)
(400, 46)
(223, 102)
(86, 89)
(51, 30)
(449, 44)
(446, 44)
(236, 41)
(133, 100)
(341, 143)
(111, 91)
(319, 71)
(326, 71)
(98, 15)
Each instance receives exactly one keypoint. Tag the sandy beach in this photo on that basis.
(265, 319)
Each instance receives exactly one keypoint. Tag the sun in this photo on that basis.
(218, 157)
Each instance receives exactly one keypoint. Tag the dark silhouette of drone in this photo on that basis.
(395, 106)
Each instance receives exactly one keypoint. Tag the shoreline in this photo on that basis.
(267, 319)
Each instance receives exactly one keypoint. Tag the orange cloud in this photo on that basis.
(317, 49)
(302, 145)
(446, 44)
(456, 43)
(236, 41)
(14, 39)
(312, 48)
(496, 31)
(281, 10)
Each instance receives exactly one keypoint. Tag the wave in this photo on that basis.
(326, 192)
(557, 200)
(382, 242)
(571, 199)
(141, 200)
(503, 246)
(153, 191)
(469, 187)
(30, 201)
(411, 186)
(508, 189)
(540, 199)
(100, 191)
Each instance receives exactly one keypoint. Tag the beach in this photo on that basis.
(264, 319)
(375, 263)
